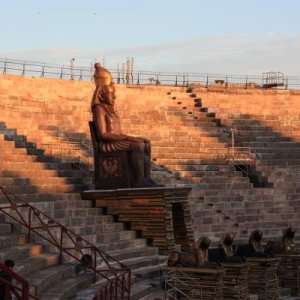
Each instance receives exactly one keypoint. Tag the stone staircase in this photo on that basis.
(31, 172)
(267, 122)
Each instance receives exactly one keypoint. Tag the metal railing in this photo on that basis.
(81, 73)
(241, 158)
(116, 276)
(11, 290)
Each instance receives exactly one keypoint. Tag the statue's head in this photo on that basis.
(256, 236)
(289, 233)
(203, 243)
(102, 76)
(228, 239)
(107, 95)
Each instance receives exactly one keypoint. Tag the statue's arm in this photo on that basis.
(101, 128)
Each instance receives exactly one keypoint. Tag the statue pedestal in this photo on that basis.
(162, 214)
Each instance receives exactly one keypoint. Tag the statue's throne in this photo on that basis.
(111, 168)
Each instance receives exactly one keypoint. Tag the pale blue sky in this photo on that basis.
(224, 36)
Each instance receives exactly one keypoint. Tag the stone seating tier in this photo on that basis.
(151, 112)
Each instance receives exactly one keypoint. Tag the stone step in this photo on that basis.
(150, 272)
(194, 165)
(29, 158)
(12, 239)
(48, 197)
(124, 244)
(109, 237)
(29, 265)
(49, 277)
(5, 229)
(18, 252)
(68, 288)
(40, 181)
(31, 189)
(278, 162)
(34, 166)
(159, 294)
(142, 289)
(124, 254)
(14, 172)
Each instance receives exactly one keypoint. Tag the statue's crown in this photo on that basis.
(102, 74)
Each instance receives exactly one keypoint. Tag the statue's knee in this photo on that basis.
(147, 147)
(138, 147)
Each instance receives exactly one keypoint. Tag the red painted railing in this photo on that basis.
(10, 289)
(115, 275)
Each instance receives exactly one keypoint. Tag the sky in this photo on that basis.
(212, 36)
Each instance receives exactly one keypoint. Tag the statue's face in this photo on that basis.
(257, 235)
(204, 245)
(109, 95)
(97, 80)
(228, 240)
(290, 233)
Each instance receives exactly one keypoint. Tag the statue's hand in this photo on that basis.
(133, 140)
(137, 139)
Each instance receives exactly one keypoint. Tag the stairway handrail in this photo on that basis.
(116, 273)
(9, 287)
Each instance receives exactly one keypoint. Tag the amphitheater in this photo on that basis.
(46, 160)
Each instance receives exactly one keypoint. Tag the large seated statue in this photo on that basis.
(111, 140)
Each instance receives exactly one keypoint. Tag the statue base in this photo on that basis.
(162, 214)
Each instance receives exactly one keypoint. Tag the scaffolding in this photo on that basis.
(193, 283)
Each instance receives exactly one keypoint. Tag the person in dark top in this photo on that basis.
(9, 264)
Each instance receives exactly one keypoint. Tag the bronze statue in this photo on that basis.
(228, 250)
(255, 247)
(255, 240)
(109, 133)
(197, 258)
(286, 245)
(226, 245)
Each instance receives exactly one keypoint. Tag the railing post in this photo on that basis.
(80, 77)
(61, 245)
(23, 71)
(207, 81)
(25, 291)
(95, 264)
(176, 82)
(4, 70)
(233, 141)
(246, 85)
(43, 71)
(29, 225)
(72, 75)
(286, 83)
(138, 80)
(6, 291)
